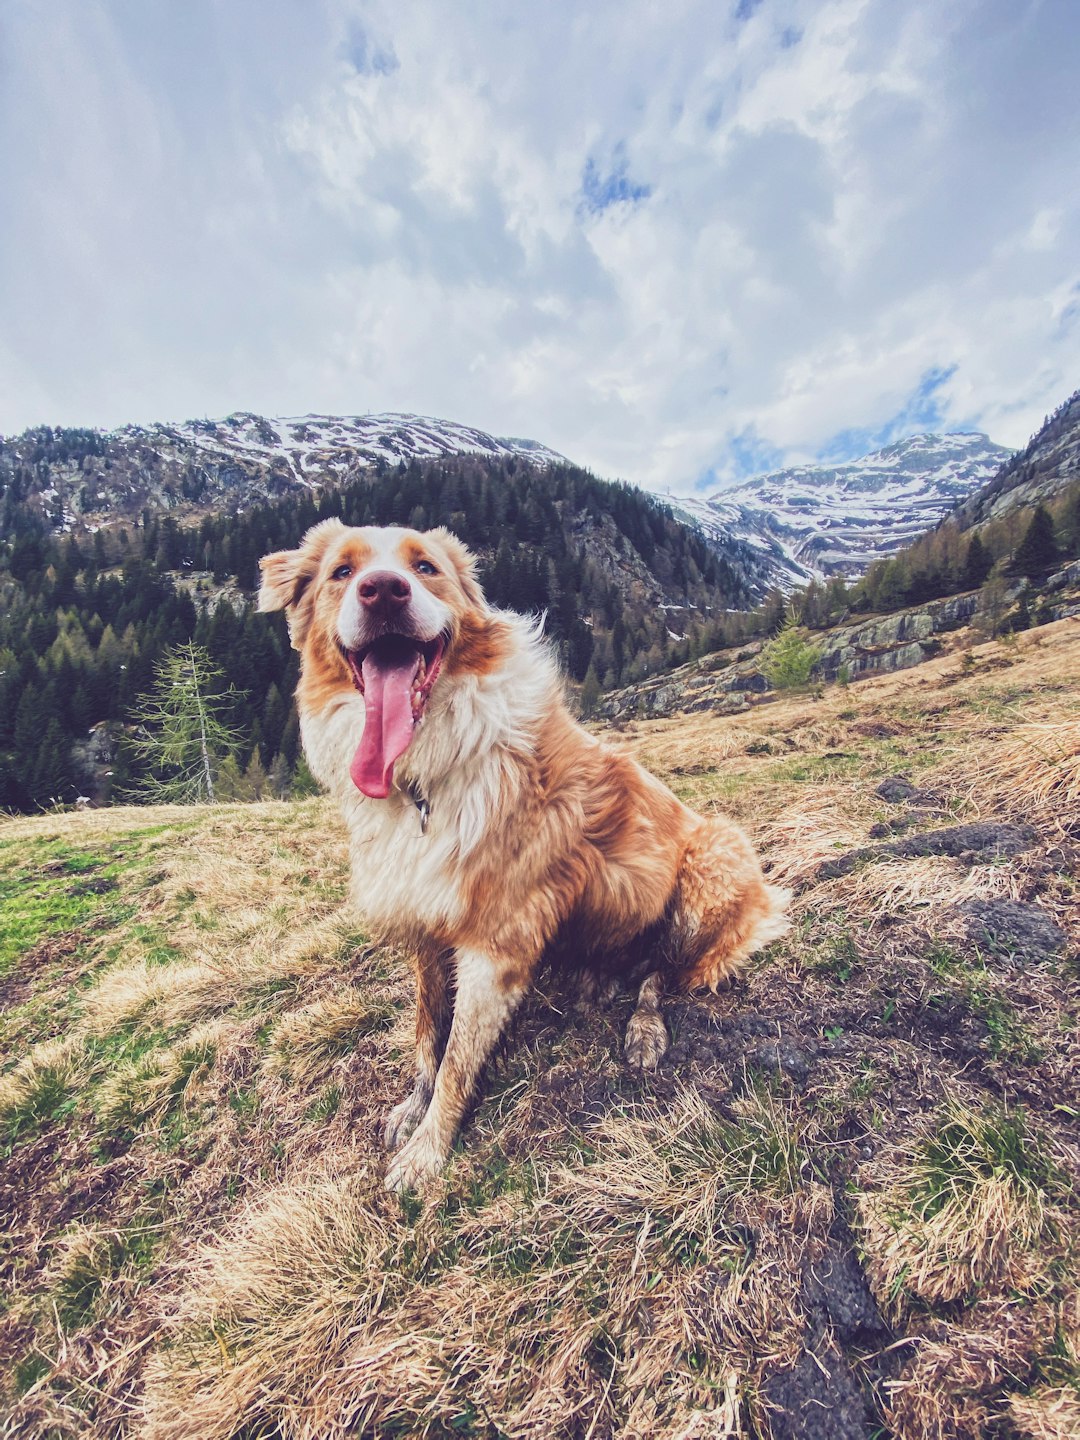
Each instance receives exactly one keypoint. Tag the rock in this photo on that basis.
(1070, 575)
(781, 1057)
(983, 840)
(817, 1398)
(1013, 930)
(753, 682)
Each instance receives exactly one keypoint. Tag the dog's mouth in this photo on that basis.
(395, 674)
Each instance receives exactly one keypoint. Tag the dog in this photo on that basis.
(488, 830)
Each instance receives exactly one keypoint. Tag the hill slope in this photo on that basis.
(818, 520)
(847, 1199)
(1048, 464)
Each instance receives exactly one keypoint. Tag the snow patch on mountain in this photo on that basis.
(318, 448)
(811, 521)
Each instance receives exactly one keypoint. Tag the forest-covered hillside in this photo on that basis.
(85, 617)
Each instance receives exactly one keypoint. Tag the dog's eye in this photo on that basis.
(342, 572)
(425, 567)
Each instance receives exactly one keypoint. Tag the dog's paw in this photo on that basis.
(646, 1041)
(418, 1160)
(404, 1118)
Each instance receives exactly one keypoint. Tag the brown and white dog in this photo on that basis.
(488, 830)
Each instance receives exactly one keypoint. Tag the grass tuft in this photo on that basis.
(972, 1210)
(38, 1089)
(306, 1042)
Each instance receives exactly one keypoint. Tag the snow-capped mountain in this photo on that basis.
(817, 520)
(314, 447)
(80, 476)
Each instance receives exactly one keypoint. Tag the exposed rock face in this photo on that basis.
(1048, 463)
(893, 642)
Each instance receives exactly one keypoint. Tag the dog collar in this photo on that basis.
(422, 805)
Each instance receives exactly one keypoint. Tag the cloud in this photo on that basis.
(672, 245)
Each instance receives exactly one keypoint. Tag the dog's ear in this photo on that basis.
(464, 562)
(287, 576)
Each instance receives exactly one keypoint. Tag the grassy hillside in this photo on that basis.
(846, 1205)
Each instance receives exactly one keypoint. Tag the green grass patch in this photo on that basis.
(325, 1106)
(1007, 1037)
(48, 1097)
(969, 1147)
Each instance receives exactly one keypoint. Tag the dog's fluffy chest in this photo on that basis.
(404, 873)
(401, 876)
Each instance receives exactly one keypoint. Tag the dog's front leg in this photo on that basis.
(432, 1020)
(486, 997)
(646, 1034)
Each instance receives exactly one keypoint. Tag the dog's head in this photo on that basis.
(390, 612)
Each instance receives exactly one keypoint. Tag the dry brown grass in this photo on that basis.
(306, 1042)
(320, 1314)
(1033, 771)
(200, 1245)
(803, 836)
(1050, 1413)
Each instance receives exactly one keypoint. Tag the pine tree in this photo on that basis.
(1037, 551)
(279, 777)
(255, 776)
(978, 562)
(787, 660)
(303, 782)
(590, 692)
(182, 736)
(229, 782)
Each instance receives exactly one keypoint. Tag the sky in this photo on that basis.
(679, 242)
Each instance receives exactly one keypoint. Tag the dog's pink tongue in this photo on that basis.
(388, 669)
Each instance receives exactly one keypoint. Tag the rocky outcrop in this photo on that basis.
(1047, 464)
(727, 683)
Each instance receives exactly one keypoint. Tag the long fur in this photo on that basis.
(540, 838)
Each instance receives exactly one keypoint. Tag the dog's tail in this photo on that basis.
(725, 909)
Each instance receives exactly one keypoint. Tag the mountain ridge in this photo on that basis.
(84, 478)
(1047, 464)
(812, 521)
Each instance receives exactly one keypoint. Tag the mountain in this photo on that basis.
(815, 520)
(1048, 464)
(83, 478)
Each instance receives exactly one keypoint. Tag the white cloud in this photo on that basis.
(352, 206)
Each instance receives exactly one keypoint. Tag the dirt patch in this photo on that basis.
(978, 842)
(1013, 930)
(817, 1398)
(898, 789)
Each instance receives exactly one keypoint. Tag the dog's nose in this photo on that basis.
(384, 590)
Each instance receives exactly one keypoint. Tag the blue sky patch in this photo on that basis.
(921, 412)
(600, 190)
(747, 454)
(365, 57)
